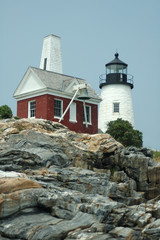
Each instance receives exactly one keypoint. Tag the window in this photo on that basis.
(116, 107)
(72, 112)
(45, 63)
(88, 113)
(31, 109)
(116, 68)
(57, 108)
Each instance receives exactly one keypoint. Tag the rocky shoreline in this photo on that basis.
(57, 184)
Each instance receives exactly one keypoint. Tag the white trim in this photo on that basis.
(87, 123)
(23, 81)
(56, 117)
(53, 93)
(73, 112)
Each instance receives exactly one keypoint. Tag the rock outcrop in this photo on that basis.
(57, 184)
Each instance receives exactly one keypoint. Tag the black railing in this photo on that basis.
(122, 78)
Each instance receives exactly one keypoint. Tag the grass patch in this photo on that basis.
(156, 156)
(19, 126)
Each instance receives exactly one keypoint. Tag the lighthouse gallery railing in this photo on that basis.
(103, 79)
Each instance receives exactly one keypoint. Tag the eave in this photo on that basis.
(52, 92)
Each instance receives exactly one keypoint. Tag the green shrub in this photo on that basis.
(16, 118)
(5, 112)
(19, 126)
(156, 156)
(123, 132)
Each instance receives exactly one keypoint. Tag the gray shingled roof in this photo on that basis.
(60, 82)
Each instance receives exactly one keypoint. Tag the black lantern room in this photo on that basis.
(116, 73)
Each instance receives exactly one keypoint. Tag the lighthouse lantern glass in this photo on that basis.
(116, 68)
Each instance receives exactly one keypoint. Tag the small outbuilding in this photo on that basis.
(47, 93)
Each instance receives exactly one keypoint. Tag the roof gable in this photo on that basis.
(68, 85)
(37, 82)
(29, 83)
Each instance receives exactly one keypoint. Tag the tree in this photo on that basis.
(123, 132)
(5, 112)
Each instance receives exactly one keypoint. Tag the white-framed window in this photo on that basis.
(58, 108)
(116, 107)
(72, 113)
(32, 109)
(88, 113)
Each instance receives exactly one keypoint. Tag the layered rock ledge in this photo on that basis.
(57, 184)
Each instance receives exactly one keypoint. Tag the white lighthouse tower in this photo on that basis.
(116, 96)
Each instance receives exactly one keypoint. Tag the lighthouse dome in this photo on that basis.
(116, 61)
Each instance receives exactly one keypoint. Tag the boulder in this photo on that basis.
(8, 185)
(122, 232)
(11, 174)
(12, 203)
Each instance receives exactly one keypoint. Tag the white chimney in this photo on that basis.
(51, 59)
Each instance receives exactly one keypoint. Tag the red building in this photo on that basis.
(47, 93)
(44, 94)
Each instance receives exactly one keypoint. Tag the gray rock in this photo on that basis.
(13, 202)
(152, 231)
(122, 232)
(92, 187)
(143, 220)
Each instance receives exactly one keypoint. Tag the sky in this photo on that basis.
(91, 32)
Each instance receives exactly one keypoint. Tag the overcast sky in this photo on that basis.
(90, 31)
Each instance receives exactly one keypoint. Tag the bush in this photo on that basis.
(123, 132)
(156, 156)
(5, 112)
(16, 118)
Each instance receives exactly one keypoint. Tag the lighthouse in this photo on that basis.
(116, 85)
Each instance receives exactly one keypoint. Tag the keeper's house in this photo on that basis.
(48, 94)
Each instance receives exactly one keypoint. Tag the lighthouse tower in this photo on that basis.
(116, 96)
